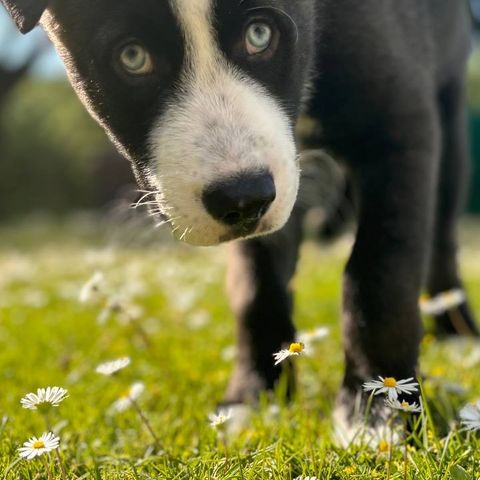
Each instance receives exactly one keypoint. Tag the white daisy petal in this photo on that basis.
(470, 416)
(281, 356)
(127, 399)
(92, 287)
(312, 336)
(295, 349)
(110, 368)
(442, 302)
(392, 394)
(405, 381)
(50, 396)
(403, 406)
(391, 387)
(35, 447)
(220, 418)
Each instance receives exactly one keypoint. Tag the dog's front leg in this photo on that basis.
(258, 284)
(395, 175)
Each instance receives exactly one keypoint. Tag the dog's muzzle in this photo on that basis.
(240, 202)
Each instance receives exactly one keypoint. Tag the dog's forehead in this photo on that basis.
(89, 14)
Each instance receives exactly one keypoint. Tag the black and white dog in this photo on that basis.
(203, 97)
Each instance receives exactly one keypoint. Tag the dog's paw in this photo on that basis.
(358, 420)
(239, 417)
(358, 431)
(371, 421)
(245, 387)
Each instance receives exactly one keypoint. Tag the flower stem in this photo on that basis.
(137, 326)
(225, 446)
(146, 422)
(57, 453)
(47, 468)
(61, 464)
(390, 453)
(368, 406)
(405, 453)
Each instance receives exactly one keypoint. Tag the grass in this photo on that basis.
(180, 345)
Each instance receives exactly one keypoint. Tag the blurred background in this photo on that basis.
(54, 160)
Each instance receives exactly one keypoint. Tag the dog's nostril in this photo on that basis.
(242, 200)
(232, 218)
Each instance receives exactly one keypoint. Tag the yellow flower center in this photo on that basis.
(296, 348)
(405, 404)
(44, 406)
(38, 444)
(424, 298)
(390, 382)
(383, 446)
(449, 296)
(428, 339)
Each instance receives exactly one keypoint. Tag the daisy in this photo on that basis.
(306, 478)
(403, 406)
(38, 446)
(129, 397)
(383, 446)
(45, 397)
(311, 336)
(220, 418)
(470, 416)
(442, 302)
(294, 349)
(119, 307)
(110, 368)
(391, 386)
(113, 307)
(474, 358)
(92, 287)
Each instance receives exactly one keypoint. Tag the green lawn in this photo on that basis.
(176, 326)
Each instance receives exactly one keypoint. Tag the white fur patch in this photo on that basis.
(355, 430)
(223, 123)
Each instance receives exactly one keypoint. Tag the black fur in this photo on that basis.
(387, 98)
(25, 13)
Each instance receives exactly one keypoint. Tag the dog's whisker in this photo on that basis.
(168, 221)
(184, 234)
(141, 201)
(143, 204)
(147, 191)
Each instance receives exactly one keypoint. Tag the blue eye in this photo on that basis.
(258, 38)
(136, 60)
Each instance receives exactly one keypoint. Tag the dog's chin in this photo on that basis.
(214, 234)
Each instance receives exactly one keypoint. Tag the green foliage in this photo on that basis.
(48, 148)
(458, 473)
(178, 346)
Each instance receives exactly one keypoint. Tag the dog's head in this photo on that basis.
(201, 96)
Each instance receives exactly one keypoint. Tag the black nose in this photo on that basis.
(240, 201)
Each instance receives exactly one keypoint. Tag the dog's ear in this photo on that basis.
(25, 13)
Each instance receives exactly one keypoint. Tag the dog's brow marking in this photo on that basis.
(195, 19)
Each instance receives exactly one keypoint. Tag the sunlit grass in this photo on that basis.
(178, 333)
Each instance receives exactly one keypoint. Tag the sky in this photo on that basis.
(15, 48)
